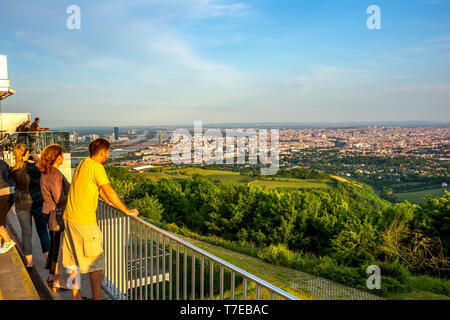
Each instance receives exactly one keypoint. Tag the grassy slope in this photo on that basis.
(235, 177)
(300, 284)
(292, 183)
(416, 196)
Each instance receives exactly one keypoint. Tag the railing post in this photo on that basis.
(202, 276)
(193, 276)
(170, 270)
(140, 261)
(151, 264)
(164, 268)
(135, 262)
(245, 288)
(221, 282)
(211, 279)
(157, 265)
(177, 271)
(185, 274)
(146, 263)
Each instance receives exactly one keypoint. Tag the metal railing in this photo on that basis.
(36, 140)
(145, 262)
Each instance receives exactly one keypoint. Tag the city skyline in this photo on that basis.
(159, 63)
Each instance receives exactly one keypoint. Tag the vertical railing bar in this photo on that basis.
(106, 243)
(177, 271)
(102, 226)
(135, 261)
(126, 256)
(122, 255)
(232, 285)
(211, 279)
(202, 277)
(146, 263)
(116, 252)
(185, 274)
(141, 266)
(151, 264)
(131, 260)
(113, 251)
(110, 276)
(116, 244)
(258, 292)
(193, 276)
(157, 265)
(245, 288)
(221, 282)
(164, 268)
(272, 295)
(170, 270)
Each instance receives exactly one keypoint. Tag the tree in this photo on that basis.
(149, 207)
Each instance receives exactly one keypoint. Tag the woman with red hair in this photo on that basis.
(54, 188)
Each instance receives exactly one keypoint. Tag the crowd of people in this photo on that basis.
(64, 214)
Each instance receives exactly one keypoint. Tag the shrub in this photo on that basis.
(430, 284)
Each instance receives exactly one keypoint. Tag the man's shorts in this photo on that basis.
(82, 246)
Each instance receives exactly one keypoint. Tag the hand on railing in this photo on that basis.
(132, 212)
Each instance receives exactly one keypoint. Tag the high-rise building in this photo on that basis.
(116, 133)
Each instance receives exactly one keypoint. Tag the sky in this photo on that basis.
(167, 62)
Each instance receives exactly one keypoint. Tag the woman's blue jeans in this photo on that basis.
(25, 219)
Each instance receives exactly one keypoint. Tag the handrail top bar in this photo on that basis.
(238, 270)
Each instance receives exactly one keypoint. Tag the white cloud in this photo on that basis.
(187, 8)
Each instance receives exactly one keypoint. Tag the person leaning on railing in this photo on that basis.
(35, 125)
(32, 134)
(82, 246)
(55, 189)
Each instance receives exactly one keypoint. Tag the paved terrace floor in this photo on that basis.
(15, 283)
(13, 272)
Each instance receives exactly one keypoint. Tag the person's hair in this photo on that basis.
(36, 119)
(19, 154)
(97, 145)
(48, 158)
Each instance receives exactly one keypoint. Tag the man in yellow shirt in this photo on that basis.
(82, 241)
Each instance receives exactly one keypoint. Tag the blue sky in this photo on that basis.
(152, 62)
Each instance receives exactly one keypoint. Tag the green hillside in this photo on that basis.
(325, 226)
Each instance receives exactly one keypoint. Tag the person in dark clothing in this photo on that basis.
(24, 129)
(55, 189)
(35, 126)
(6, 201)
(28, 200)
(33, 135)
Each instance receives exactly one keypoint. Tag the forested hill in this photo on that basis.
(348, 224)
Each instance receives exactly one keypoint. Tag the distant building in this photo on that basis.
(141, 169)
(116, 133)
